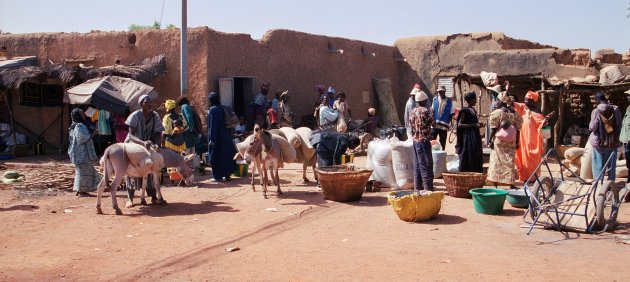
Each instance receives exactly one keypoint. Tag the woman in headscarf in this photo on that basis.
(220, 147)
(284, 112)
(82, 155)
(531, 146)
(174, 128)
(504, 123)
(468, 145)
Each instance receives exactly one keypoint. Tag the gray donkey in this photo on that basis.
(115, 159)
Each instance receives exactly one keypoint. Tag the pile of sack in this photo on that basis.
(392, 162)
(579, 161)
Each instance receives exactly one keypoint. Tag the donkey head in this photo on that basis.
(255, 146)
(185, 169)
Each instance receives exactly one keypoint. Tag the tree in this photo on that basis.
(155, 25)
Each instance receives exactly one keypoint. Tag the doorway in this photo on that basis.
(237, 92)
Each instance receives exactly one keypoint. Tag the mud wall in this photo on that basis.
(429, 57)
(522, 61)
(297, 62)
(289, 60)
(102, 49)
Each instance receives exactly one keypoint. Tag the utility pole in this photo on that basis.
(183, 57)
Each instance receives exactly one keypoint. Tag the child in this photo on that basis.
(240, 128)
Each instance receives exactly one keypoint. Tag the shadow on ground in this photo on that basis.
(19, 208)
(180, 208)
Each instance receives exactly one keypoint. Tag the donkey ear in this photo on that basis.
(189, 157)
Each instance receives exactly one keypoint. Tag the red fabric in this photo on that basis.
(531, 146)
(273, 117)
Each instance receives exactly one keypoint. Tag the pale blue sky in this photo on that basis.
(592, 24)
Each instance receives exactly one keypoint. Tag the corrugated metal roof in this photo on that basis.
(18, 62)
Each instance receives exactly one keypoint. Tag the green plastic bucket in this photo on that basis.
(517, 199)
(488, 200)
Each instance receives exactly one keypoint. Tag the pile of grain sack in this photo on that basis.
(392, 162)
(579, 161)
(294, 144)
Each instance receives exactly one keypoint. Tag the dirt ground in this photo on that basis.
(56, 236)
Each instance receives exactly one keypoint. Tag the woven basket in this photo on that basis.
(458, 184)
(343, 183)
(413, 207)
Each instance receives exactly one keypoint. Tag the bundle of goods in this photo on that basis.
(379, 159)
(343, 183)
(393, 162)
(439, 159)
(579, 161)
(414, 206)
(402, 163)
(459, 184)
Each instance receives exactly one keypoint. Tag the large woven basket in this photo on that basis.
(458, 184)
(412, 207)
(342, 183)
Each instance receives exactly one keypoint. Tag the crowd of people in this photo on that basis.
(513, 132)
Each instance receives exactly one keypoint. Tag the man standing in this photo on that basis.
(260, 105)
(443, 111)
(421, 120)
(409, 106)
(327, 116)
(145, 128)
(624, 138)
(605, 127)
(331, 96)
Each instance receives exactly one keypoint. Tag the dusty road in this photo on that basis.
(307, 238)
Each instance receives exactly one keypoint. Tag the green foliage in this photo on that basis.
(155, 25)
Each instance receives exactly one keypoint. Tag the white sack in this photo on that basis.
(381, 163)
(402, 163)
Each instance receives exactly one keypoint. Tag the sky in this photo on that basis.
(592, 24)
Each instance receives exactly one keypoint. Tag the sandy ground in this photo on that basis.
(60, 237)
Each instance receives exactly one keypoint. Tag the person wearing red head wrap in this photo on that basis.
(531, 148)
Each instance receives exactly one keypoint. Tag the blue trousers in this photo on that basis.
(600, 156)
(423, 165)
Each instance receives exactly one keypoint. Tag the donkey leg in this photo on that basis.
(101, 185)
(270, 169)
(99, 193)
(158, 189)
(304, 168)
(254, 165)
(143, 190)
(115, 183)
(278, 181)
(131, 184)
(265, 180)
